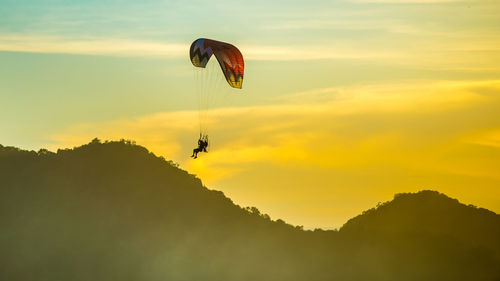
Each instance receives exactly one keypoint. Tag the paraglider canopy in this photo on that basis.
(228, 56)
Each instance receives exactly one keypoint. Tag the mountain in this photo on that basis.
(115, 211)
(430, 235)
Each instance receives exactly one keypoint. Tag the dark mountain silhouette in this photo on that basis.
(114, 211)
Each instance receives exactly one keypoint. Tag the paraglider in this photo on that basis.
(202, 146)
(231, 64)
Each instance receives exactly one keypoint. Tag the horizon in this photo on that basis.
(344, 104)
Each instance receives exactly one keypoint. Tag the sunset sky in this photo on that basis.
(344, 103)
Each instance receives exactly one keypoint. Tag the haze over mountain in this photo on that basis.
(114, 211)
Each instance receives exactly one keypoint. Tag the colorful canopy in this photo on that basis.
(228, 56)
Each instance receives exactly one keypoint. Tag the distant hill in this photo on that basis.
(428, 234)
(114, 211)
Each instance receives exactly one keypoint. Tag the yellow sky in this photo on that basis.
(325, 155)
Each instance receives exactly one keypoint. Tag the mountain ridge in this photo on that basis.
(120, 212)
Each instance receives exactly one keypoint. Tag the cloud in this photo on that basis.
(404, 96)
(90, 46)
(138, 48)
(490, 138)
(357, 22)
(286, 133)
(290, 53)
(408, 1)
(432, 54)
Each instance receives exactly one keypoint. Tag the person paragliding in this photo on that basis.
(202, 146)
(232, 65)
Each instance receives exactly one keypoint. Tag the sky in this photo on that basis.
(344, 103)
